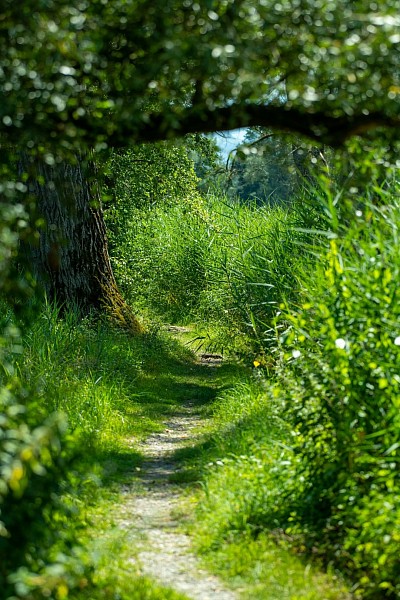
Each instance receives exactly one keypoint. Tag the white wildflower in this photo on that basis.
(341, 343)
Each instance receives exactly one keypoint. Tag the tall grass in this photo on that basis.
(220, 263)
(313, 455)
(341, 396)
(67, 361)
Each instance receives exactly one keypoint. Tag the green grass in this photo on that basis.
(225, 267)
(150, 378)
(265, 570)
(109, 384)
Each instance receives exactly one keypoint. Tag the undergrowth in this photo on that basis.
(72, 391)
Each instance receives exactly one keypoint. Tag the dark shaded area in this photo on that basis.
(169, 379)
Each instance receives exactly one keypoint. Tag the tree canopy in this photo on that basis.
(113, 72)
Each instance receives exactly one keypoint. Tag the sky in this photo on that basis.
(228, 140)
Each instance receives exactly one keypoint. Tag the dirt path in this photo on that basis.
(165, 554)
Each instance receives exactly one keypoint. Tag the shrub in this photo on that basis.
(39, 544)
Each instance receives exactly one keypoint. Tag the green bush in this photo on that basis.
(342, 399)
(39, 519)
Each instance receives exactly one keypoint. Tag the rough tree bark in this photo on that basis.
(71, 259)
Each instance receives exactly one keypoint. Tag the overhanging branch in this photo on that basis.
(317, 126)
(122, 130)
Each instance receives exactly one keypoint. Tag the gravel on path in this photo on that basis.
(166, 553)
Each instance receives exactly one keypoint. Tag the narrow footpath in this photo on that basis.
(165, 551)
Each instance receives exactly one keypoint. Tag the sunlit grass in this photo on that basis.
(265, 570)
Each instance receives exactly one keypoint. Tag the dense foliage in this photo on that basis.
(79, 77)
(343, 399)
(39, 522)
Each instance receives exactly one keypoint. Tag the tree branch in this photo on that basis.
(247, 145)
(317, 126)
(120, 129)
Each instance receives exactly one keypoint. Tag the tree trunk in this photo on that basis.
(71, 259)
